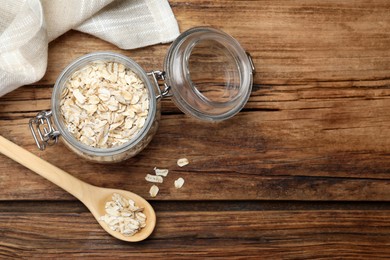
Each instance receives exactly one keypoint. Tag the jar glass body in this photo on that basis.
(116, 153)
(210, 73)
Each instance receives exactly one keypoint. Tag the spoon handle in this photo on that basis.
(48, 171)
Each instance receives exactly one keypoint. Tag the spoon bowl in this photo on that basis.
(100, 196)
(93, 197)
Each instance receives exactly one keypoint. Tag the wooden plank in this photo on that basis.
(290, 41)
(239, 234)
(320, 148)
(318, 153)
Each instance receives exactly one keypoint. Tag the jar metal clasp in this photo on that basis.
(42, 130)
(159, 76)
(251, 63)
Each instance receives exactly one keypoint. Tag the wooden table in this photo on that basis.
(303, 171)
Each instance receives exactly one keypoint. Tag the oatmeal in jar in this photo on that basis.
(104, 104)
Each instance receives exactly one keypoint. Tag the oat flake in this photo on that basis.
(182, 162)
(179, 183)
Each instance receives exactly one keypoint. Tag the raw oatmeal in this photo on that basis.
(104, 104)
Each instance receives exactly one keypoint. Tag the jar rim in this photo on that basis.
(81, 62)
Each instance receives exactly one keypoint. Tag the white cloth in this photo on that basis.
(26, 27)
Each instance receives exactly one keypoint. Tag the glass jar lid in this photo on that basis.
(209, 73)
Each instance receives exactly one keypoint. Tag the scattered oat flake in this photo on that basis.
(153, 191)
(179, 183)
(161, 172)
(154, 178)
(182, 162)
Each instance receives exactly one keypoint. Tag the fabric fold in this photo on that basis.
(151, 22)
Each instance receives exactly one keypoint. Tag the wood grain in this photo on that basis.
(302, 172)
(317, 154)
(188, 234)
(291, 41)
(315, 127)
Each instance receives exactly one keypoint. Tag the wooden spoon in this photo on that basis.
(93, 197)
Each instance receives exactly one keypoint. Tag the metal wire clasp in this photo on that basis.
(43, 130)
(160, 76)
(251, 63)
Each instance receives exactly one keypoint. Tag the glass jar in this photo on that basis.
(206, 72)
